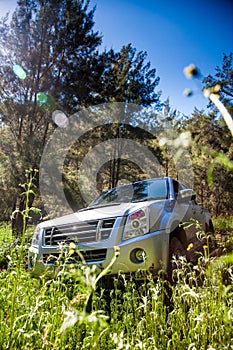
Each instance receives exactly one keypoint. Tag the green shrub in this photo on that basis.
(223, 224)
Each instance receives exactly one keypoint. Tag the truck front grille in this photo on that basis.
(89, 256)
(81, 232)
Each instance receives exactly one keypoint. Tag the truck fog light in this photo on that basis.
(138, 256)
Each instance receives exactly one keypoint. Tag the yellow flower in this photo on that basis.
(212, 90)
(191, 71)
(216, 88)
(190, 246)
(117, 251)
(205, 246)
(188, 92)
(72, 248)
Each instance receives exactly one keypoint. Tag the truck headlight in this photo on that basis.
(36, 236)
(136, 224)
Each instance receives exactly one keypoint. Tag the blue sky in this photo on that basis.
(174, 34)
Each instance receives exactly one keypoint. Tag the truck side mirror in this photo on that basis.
(186, 195)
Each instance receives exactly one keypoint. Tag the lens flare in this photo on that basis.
(60, 119)
(41, 98)
(19, 71)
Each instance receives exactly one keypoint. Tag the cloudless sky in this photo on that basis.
(174, 33)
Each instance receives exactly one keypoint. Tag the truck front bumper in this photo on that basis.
(145, 253)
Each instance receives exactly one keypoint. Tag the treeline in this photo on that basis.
(50, 59)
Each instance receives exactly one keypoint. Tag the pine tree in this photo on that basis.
(224, 78)
(125, 77)
(42, 46)
(211, 142)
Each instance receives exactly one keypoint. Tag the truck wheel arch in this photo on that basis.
(180, 234)
(209, 228)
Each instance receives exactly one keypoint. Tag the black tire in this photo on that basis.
(176, 249)
(209, 229)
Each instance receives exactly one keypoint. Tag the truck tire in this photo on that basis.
(209, 229)
(176, 249)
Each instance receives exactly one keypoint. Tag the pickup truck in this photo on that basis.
(144, 220)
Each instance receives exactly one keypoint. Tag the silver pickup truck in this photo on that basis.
(142, 219)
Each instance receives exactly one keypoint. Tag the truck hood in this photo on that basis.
(97, 213)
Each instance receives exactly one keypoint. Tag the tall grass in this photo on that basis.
(196, 312)
(223, 224)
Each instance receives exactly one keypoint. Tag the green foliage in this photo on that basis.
(212, 145)
(223, 224)
(11, 248)
(211, 154)
(115, 168)
(127, 77)
(49, 61)
(6, 240)
(41, 46)
(195, 312)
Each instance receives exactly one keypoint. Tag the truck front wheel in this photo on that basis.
(176, 249)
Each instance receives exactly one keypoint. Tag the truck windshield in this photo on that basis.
(135, 192)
